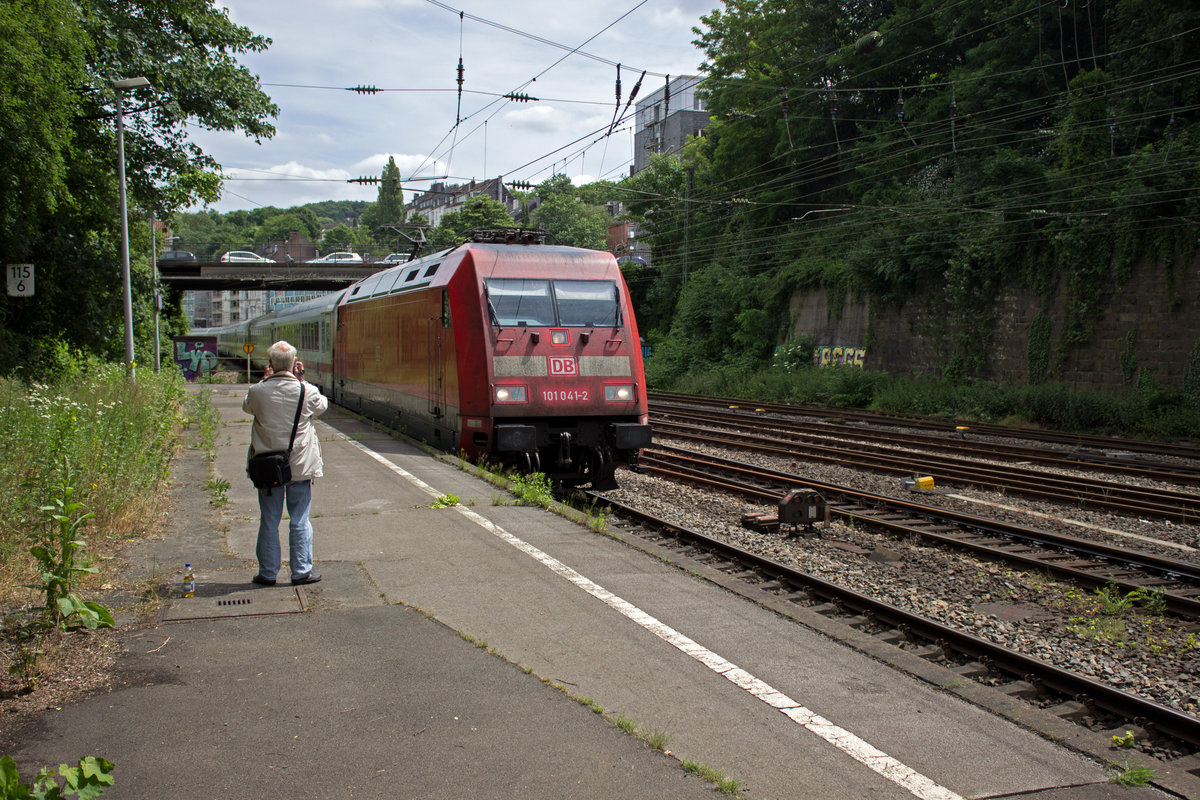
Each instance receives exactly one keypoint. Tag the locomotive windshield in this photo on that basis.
(560, 303)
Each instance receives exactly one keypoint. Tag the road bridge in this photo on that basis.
(216, 275)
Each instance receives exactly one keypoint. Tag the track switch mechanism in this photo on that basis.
(799, 508)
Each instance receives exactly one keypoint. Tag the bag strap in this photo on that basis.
(296, 421)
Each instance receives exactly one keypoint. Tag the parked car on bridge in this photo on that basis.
(338, 258)
(395, 258)
(176, 255)
(242, 255)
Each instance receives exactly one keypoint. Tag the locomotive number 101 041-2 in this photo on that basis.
(565, 395)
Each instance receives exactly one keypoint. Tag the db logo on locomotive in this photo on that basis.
(561, 365)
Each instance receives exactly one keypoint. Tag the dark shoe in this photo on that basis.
(261, 581)
(311, 577)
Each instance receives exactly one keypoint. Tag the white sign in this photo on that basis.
(20, 280)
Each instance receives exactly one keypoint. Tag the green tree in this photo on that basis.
(657, 197)
(388, 208)
(572, 222)
(346, 237)
(42, 60)
(525, 199)
(910, 148)
(479, 212)
(279, 228)
(58, 208)
(574, 216)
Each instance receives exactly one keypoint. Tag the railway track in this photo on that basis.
(1088, 563)
(950, 443)
(1101, 448)
(1118, 497)
(1163, 733)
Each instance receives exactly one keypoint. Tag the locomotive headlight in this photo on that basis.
(618, 393)
(511, 394)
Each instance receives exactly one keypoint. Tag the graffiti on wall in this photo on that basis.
(196, 356)
(829, 356)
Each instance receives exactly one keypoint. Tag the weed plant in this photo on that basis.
(1129, 774)
(534, 489)
(218, 488)
(118, 437)
(58, 548)
(87, 779)
(207, 420)
(724, 785)
(1143, 410)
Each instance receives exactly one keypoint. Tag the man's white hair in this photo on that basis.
(282, 356)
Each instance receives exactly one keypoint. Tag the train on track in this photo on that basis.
(503, 348)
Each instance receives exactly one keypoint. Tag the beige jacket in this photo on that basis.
(273, 404)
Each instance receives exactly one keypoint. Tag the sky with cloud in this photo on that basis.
(411, 48)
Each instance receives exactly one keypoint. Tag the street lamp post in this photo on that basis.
(157, 295)
(121, 86)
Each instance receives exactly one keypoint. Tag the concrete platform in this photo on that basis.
(413, 668)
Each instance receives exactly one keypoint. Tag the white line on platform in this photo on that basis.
(861, 751)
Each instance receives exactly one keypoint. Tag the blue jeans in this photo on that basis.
(298, 495)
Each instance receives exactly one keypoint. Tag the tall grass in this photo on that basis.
(1143, 411)
(118, 438)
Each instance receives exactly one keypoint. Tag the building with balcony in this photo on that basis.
(441, 199)
(666, 118)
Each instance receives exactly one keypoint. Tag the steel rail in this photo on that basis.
(974, 447)
(1086, 690)
(1135, 500)
(1179, 580)
(900, 420)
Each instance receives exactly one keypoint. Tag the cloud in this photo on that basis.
(672, 18)
(286, 185)
(327, 135)
(536, 119)
(291, 169)
(407, 164)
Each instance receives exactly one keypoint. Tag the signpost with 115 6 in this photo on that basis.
(20, 280)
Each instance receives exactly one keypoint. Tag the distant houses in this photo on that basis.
(441, 199)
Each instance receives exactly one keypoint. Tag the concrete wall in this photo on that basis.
(1160, 304)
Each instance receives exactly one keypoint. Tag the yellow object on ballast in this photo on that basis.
(925, 482)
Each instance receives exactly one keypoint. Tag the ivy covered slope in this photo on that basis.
(915, 149)
(59, 208)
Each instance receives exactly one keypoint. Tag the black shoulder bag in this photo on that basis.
(268, 470)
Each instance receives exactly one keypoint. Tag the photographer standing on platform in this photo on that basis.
(274, 402)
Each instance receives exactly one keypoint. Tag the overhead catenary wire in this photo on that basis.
(524, 85)
(963, 130)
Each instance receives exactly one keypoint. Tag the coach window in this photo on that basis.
(587, 304)
(445, 309)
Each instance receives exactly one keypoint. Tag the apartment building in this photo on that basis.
(441, 199)
(666, 117)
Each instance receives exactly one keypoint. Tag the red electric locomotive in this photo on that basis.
(523, 352)
(507, 349)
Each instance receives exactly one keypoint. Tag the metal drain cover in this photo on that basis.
(243, 603)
